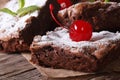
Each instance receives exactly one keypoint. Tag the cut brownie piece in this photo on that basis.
(16, 33)
(12, 27)
(57, 50)
(102, 15)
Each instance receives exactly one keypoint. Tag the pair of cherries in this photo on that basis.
(80, 30)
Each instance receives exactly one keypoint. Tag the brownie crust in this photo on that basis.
(102, 16)
(56, 50)
(34, 26)
(58, 58)
(14, 45)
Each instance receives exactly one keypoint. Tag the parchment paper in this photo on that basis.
(62, 73)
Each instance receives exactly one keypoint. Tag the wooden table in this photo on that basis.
(16, 67)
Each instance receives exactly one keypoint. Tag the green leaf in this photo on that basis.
(26, 10)
(8, 11)
(21, 3)
(106, 0)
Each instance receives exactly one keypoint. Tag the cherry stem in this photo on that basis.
(51, 7)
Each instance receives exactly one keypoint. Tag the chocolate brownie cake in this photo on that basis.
(102, 15)
(10, 27)
(57, 50)
(17, 32)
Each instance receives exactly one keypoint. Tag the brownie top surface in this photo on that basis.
(100, 41)
(97, 13)
(81, 5)
(10, 26)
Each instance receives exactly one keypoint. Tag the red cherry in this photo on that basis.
(80, 31)
(64, 3)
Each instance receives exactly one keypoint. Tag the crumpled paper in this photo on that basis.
(63, 73)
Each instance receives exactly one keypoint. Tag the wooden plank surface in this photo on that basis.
(16, 67)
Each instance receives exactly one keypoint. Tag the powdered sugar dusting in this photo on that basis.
(9, 25)
(60, 37)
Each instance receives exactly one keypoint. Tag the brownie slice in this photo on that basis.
(16, 33)
(57, 50)
(102, 15)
